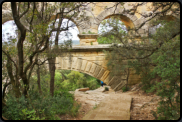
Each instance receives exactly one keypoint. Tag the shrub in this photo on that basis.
(125, 89)
(39, 107)
(106, 89)
(93, 84)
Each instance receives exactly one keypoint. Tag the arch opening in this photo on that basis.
(127, 21)
(65, 35)
(9, 32)
(110, 24)
(72, 80)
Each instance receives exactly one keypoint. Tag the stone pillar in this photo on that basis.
(88, 39)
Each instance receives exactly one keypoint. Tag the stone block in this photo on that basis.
(84, 62)
(138, 22)
(98, 62)
(134, 81)
(79, 64)
(97, 58)
(88, 66)
(87, 43)
(69, 62)
(97, 70)
(93, 58)
(106, 73)
(92, 68)
(82, 43)
(89, 58)
(141, 31)
(101, 54)
(65, 62)
(112, 80)
(59, 60)
(100, 73)
(88, 40)
(107, 79)
(95, 43)
(133, 18)
(74, 62)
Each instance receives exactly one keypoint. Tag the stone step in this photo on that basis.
(118, 107)
(109, 111)
(112, 117)
(108, 115)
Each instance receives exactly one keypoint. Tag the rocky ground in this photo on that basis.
(141, 105)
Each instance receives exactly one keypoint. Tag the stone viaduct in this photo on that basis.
(91, 60)
(88, 57)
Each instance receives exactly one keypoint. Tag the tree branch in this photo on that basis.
(8, 56)
(25, 11)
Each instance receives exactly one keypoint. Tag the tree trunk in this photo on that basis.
(128, 73)
(52, 73)
(38, 80)
(26, 87)
(14, 83)
(4, 88)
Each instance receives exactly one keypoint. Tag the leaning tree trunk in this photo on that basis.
(4, 88)
(14, 83)
(52, 73)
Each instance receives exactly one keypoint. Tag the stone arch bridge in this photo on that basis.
(91, 60)
(88, 57)
(96, 13)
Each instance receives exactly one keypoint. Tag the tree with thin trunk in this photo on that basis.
(32, 20)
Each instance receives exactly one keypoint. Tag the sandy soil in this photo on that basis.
(141, 105)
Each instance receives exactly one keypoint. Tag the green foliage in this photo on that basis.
(78, 80)
(93, 84)
(37, 107)
(167, 69)
(31, 114)
(125, 89)
(75, 80)
(158, 63)
(89, 32)
(95, 106)
(106, 89)
(108, 27)
(74, 110)
(105, 40)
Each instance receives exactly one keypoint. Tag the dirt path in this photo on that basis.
(113, 107)
(90, 100)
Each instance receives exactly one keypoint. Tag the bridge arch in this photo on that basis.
(65, 17)
(6, 16)
(93, 64)
(128, 20)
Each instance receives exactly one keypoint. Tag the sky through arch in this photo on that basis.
(9, 30)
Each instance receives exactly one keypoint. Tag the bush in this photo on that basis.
(125, 89)
(78, 80)
(39, 107)
(93, 84)
(106, 89)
